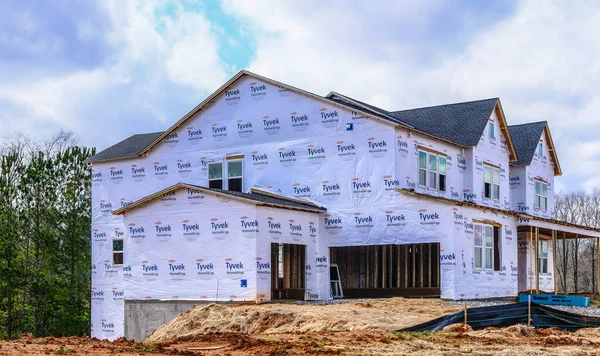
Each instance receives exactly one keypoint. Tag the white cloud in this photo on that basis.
(541, 61)
(160, 62)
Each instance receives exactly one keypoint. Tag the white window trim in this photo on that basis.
(222, 174)
(491, 182)
(484, 248)
(540, 150)
(535, 195)
(122, 252)
(541, 256)
(492, 127)
(428, 171)
(225, 172)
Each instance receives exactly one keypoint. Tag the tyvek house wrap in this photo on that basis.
(296, 146)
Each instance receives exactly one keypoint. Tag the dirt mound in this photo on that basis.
(386, 314)
(458, 328)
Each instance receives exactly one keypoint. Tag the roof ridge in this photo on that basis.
(451, 104)
(530, 123)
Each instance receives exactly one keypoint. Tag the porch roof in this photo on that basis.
(523, 220)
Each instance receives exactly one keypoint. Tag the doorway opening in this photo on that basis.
(288, 269)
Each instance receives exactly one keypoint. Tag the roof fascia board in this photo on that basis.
(512, 157)
(333, 93)
(552, 149)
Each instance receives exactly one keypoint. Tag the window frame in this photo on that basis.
(241, 177)
(426, 171)
(216, 179)
(542, 195)
(494, 187)
(542, 257)
(115, 252)
(540, 150)
(492, 131)
(489, 249)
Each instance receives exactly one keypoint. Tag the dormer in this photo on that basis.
(532, 176)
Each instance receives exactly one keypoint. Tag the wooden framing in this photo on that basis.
(512, 154)
(292, 284)
(430, 150)
(389, 270)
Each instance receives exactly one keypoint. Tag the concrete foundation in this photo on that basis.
(142, 317)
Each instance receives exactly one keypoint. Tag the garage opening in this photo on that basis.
(288, 271)
(389, 270)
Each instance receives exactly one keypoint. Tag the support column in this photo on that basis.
(576, 263)
(530, 267)
(564, 262)
(554, 260)
(537, 260)
(598, 265)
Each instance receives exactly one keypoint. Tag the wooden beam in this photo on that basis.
(598, 265)
(537, 260)
(554, 259)
(530, 269)
(398, 264)
(565, 261)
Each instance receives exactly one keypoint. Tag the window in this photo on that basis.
(117, 251)
(541, 196)
(541, 149)
(492, 133)
(491, 182)
(543, 257)
(432, 171)
(234, 175)
(215, 175)
(487, 248)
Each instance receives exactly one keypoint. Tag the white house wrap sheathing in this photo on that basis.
(296, 146)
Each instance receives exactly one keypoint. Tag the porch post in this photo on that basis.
(554, 259)
(564, 262)
(598, 265)
(576, 262)
(530, 269)
(537, 260)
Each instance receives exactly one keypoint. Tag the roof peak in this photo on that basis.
(530, 123)
(451, 104)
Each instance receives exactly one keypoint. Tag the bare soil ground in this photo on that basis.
(355, 328)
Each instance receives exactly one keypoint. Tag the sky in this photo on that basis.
(108, 69)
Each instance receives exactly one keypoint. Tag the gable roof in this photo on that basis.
(256, 197)
(242, 73)
(526, 138)
(128, 148)
(459, 123)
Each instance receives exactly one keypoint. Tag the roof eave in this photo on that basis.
(512, 155)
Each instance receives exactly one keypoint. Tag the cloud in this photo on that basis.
(113, 68)
(539, 57)
(156, 67)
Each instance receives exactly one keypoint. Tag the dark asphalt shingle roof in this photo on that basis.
(525, 138)
(128, 148)
(270, 199)
(460, 123)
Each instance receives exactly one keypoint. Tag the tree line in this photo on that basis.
(45, 209)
